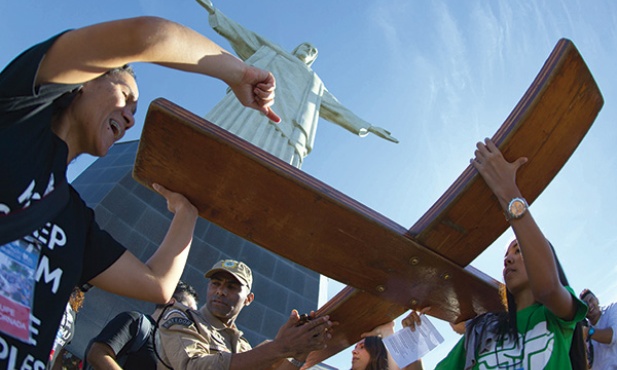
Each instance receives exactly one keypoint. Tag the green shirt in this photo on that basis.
(543, 343)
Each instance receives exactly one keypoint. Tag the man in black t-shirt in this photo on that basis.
(128, 339)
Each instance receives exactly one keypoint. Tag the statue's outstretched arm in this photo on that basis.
(332, 110)
(208, 5)
(244, 41)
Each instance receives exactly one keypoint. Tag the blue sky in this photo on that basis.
(441, 75)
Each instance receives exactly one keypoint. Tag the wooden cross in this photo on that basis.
(388, 268)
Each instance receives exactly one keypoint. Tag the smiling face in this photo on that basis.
(593, 303)
(360, 357)
(226, 297)
(514, 271)
(102, 111)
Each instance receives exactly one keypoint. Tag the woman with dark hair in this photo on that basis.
(539, 329)
(370, 354)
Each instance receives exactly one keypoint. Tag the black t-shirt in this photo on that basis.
(120, 333)
(73, 249)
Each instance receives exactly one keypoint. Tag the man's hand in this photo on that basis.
(298, 341)
(382, 133)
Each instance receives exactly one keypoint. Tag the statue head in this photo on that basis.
(306, 52)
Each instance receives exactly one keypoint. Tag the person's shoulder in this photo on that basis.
(569, 289)
(126, 316)
(129, 315)
(582, 306)
(122, 322)
(611, 307)
(18, 79)
(176, 315)
(39, 48)
(455, 359)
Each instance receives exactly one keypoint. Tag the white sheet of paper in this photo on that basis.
(406, 346)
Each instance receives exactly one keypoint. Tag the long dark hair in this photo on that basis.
(507, 322)
(377, 352)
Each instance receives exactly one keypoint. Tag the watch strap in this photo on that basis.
(295, 362)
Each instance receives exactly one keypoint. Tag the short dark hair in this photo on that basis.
(184, 288)
(181, 289)
(585, 293)
(125, 68)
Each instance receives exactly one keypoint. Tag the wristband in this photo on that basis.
(295, 362)
(591, 331)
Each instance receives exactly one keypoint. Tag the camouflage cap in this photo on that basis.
(238, 269)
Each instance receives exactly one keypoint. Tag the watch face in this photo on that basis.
(517, 208)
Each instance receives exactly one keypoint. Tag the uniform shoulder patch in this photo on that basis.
(176, 317)
(177, 321)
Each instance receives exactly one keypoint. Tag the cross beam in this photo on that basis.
(387, 267)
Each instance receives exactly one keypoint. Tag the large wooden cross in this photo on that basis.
(388, 268)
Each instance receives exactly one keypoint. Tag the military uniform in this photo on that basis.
(195, 339)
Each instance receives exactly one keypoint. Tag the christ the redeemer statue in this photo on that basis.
(301, 97)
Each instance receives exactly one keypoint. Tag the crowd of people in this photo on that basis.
(75, 93)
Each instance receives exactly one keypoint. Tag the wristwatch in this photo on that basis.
(516, 208)
(295, 362)
(591, 331)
